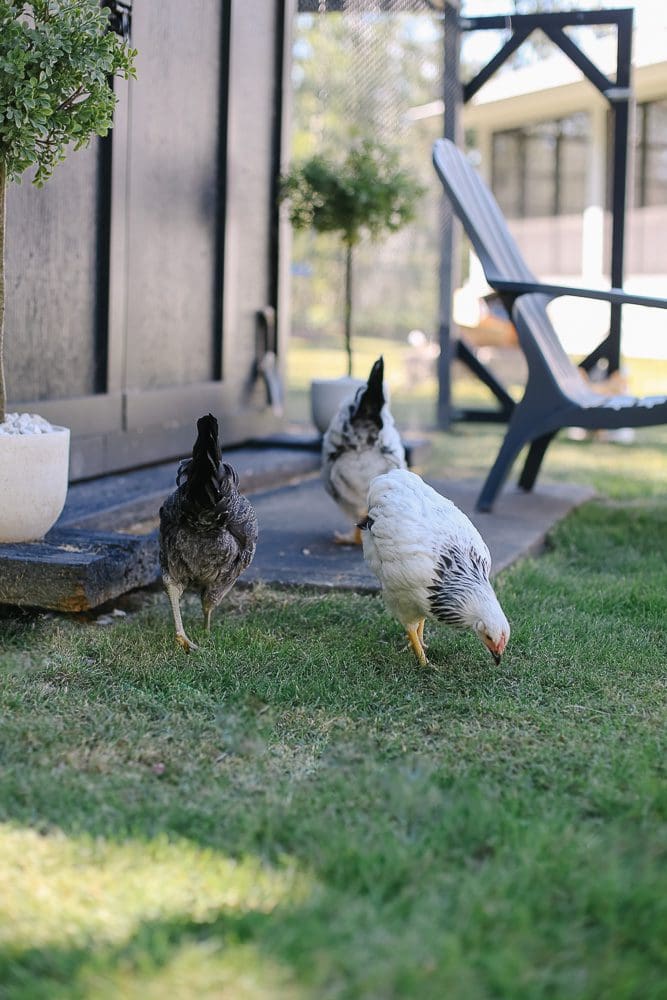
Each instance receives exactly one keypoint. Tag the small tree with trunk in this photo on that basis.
(57, 59)
(366, 194)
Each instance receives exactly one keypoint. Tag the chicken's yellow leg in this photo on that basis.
(174, 593)
(420, 631)
(208, 611)
(415, 642)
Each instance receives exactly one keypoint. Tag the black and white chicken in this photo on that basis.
(361, 442)
(208, 530)
(431, 561)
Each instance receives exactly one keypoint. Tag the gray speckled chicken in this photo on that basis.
(208, 530)
(361, 443)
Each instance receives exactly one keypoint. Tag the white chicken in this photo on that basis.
(431, 561)
(361, 442)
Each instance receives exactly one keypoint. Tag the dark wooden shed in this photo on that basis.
(137, 275)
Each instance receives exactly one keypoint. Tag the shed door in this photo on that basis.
(119, 280)
(175, 198)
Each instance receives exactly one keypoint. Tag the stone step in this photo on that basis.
(74, 570)
(116, 502)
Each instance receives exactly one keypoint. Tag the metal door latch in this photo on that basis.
(266, 361)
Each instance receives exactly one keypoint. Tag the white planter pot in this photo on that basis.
(326, 395)
(33, 483)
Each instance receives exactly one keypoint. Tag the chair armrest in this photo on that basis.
(615, 296)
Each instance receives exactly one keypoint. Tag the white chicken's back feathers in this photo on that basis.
(403, 493)
(429, 557)
(354, 454)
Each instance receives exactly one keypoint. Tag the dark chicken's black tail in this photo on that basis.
(206, 482)
(372, 400)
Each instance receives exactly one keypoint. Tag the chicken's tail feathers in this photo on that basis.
(372, 398)
(205, 480)
(206, 448)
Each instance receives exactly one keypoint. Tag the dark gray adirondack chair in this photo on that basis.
(556, 395)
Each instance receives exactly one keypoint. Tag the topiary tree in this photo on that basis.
(367, 194)
(57, 58)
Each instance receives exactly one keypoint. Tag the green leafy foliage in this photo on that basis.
(56, 61)
(368, 193)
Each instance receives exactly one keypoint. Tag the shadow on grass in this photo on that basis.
(213, 949)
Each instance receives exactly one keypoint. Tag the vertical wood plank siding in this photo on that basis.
(136, 275)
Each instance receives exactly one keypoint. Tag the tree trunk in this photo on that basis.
(348, 305)
(3, 218)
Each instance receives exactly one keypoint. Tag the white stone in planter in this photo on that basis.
(326, 395)
(34, 462)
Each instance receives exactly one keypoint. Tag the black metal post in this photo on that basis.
(449, 255)
(619, 98)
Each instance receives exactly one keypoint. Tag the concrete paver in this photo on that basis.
(297, 524)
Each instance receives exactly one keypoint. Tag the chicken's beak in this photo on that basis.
(497, 649)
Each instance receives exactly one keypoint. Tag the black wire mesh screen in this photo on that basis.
(371, 70)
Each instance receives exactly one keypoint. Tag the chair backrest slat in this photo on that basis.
(480, 215)
(501, 258)
(544, 352)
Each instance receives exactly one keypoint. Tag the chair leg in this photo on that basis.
(510, 448)
(533, 461)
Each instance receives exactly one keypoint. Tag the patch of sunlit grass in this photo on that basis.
(204, 968)
(58, 889)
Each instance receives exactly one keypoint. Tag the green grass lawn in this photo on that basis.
(299, 811)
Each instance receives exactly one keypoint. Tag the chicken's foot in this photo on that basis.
(174, 594)
(352, 537)
(187, 644)
(416, 643)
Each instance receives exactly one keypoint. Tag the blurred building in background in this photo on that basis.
(538, 131)
(541, 135)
